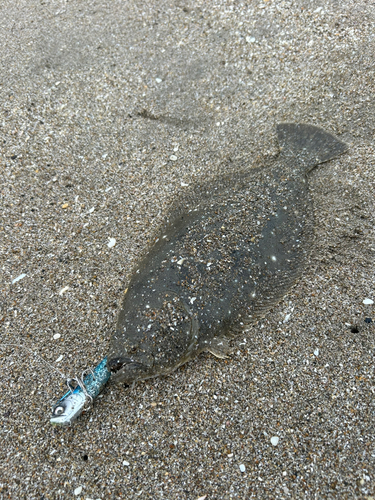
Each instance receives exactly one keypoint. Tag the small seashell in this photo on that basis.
(274, 440)
(78, 491)
(20, 277)
(287, 318)
(112, 242)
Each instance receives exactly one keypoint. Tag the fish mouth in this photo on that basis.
(116, 365)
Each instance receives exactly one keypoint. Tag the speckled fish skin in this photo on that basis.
(222, 261)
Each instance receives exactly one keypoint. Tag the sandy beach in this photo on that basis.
(111, 111)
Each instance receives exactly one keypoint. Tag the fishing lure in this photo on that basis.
(71, 405)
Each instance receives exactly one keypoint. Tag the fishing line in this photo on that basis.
(78, 380)
(3, 344)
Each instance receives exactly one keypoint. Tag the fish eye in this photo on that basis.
(59, 410)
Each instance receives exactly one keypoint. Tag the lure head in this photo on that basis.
(69, 408)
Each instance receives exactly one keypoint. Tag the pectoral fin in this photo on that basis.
(219, 347)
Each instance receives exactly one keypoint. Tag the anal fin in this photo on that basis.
(219, 347)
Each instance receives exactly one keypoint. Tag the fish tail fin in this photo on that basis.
(312, 145)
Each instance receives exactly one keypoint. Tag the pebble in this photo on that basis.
(57, 336)
(368, 320)
(125, 463)
(316, 352)
(250, 39)
(20, 277)
(78, 491)
(368, 302)
(65, 205)
(158, 80)
(242, 468)
(112, 242)
(173, 158)
(274, 440)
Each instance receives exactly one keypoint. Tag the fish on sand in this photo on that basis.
(222, 261)
(225, 256)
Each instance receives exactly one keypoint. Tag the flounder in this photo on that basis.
(222, 261)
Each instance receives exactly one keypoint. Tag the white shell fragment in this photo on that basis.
(274, 440)
(173, 158)
(20, 277)
(63, 290)
(242, 468)
(78, 491)
(112, 242)
(316, 352)
(57, 336)
(368, 302)
(158, 80)
(287, 318)
(60, 357)
(125, 463)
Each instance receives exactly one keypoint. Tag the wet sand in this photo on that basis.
(110, 111)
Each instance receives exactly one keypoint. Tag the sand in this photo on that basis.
(109, 112)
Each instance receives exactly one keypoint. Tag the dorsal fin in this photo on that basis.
(312, 145)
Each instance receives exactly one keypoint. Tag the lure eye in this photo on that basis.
(59, 410)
